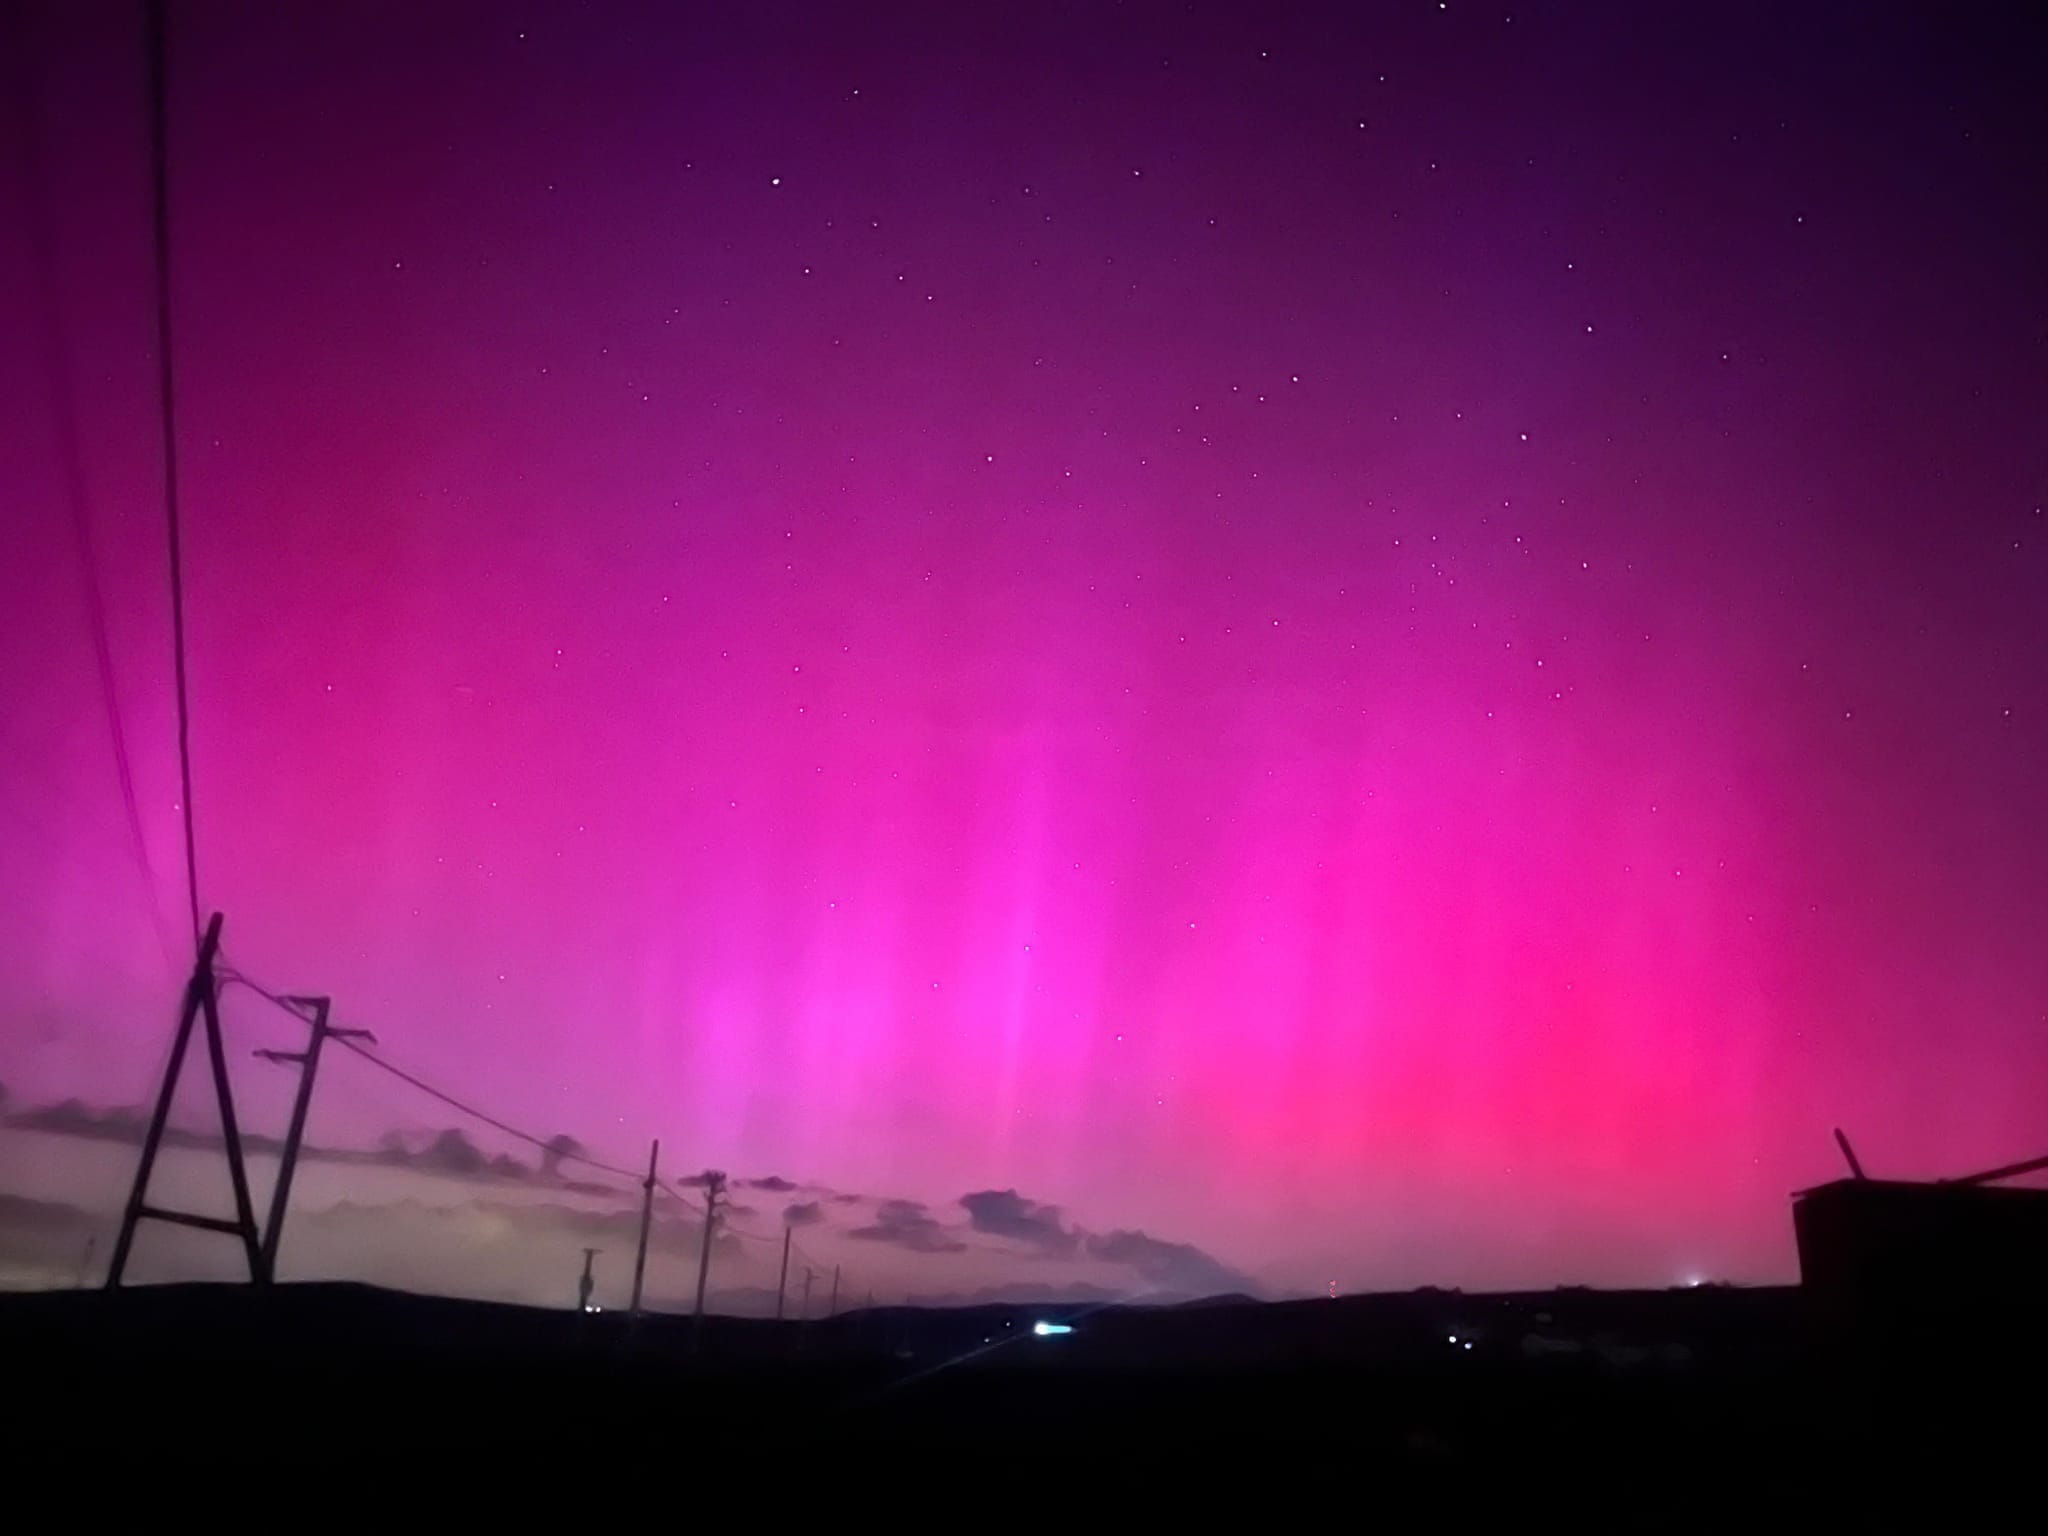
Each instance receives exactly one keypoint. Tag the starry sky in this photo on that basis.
(1401, 641)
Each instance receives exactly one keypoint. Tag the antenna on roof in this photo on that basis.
(1849, 1152)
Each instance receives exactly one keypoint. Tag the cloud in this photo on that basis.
(1005, 1213)
(1164, 1266)
(1168, 1266)
(450, 1153)
(904, 1224)
(908, 1225)
(129, 1123)
(558, 1148)
(75, 1117)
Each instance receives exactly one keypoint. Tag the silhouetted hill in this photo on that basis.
(1718, 1380)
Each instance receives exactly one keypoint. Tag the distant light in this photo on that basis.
(1468, 1343)
(1454, 1338)
(1047, 1330)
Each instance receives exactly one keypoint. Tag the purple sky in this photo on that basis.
(1400, 641)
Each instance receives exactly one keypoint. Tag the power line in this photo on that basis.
(71, 457)
(552, 1147)
(160, 165)
(707, 1206)
(752, 1237)
(694, 1205)
(761, 1237)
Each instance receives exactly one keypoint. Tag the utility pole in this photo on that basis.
(314, 1010)
(646, 1217)
(782, 1280)
(807, 1293)
(588, 1283)
(202, 1004)
(714, 1196)
(833, 1309)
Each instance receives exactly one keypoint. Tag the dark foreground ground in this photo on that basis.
(1614, 1398)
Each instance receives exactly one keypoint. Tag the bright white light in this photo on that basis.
(1046, 1330)
(1454, 1338)
(1468, 1343)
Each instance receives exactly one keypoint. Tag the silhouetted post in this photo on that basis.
(588, 1283)
(2009, 1171)
(832, 1309)
(201, 1001)
(646, 1217)
(714, 1190)
(807, 1294)
(1849, 1152)
(315, 1010)
(782, 1280)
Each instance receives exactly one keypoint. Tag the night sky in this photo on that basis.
(1400, 641)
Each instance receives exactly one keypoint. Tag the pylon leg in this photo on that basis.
(201, 998)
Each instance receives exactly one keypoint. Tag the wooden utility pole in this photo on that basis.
(782, 1280)
(646, 1218)
(314, 1010)
(807, 1294)
(714, 1195)
(833, 1309)
(588, 1284)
